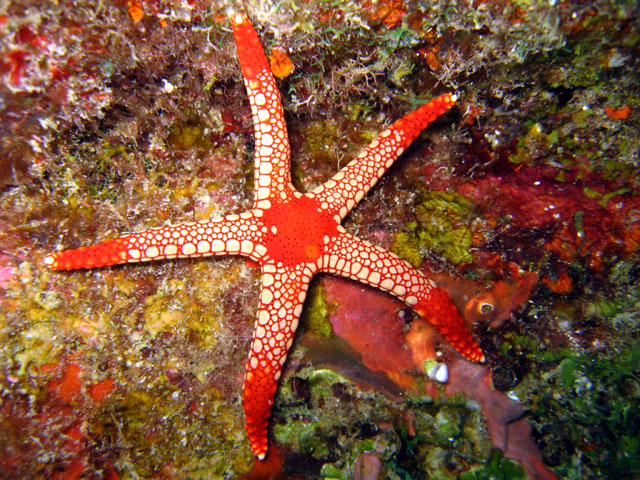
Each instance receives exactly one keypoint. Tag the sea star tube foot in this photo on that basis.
(292, 236)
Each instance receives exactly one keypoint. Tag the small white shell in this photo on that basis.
(439, 373)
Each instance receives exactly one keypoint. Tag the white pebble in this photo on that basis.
(439, 373)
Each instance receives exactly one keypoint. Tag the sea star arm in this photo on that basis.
(282, 294)
(230, 235)
(347, 187)
(272, 167)
(353, 258)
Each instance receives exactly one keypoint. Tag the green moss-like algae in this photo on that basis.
(443, 225)
(323, 415)
(150, 419)
(602, 391)
(496, 468)
(315, 316)
(592, 383)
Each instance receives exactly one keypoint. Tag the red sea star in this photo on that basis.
(292, 236)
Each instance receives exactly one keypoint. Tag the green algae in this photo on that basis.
(33, 309)
(338, 421)
(192, 428)
(407, 245)
(147, 418)
(532, 144)
(185, 135)
(101, 167)
(514, 345)
(496, 468)
(443, 225)
(36, 347)
(604, 393)
(164, 311)
(594, 389)
(315, 315)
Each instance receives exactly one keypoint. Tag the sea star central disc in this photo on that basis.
(297, 231)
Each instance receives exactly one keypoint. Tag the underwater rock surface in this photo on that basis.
(523, 202)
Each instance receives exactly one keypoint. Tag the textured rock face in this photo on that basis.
(119, 117)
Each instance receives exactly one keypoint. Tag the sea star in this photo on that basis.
(292, 236)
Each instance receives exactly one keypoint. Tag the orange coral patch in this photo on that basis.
(280, 63)
(562, 284)
(48, 367)
(101, 390)
(135, 10)
(618, 113)
(390, 12)
(71, 383)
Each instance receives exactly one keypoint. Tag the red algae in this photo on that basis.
(586, 215)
